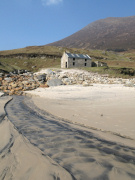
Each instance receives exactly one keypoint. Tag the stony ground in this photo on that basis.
(17, 83)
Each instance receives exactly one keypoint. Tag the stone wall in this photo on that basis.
(30, 56)
(78, 63)
(64, 60)
(99, 64)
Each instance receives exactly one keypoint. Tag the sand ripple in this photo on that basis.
(80, 152)
(19, 159)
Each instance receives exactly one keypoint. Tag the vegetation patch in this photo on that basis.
(34, 58)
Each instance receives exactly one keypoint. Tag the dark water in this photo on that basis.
(80, 152)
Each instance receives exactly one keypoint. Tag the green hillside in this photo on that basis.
(35, 58)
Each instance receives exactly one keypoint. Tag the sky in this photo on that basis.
(39, 22)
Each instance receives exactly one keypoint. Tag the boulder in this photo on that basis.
(54, 82)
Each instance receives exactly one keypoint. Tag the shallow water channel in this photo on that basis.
(80, 152)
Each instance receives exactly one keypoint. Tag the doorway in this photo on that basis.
(66, 64)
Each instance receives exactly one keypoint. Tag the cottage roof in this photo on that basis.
(78, 56)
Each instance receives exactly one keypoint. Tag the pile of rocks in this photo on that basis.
(17, 83)
(69, 77)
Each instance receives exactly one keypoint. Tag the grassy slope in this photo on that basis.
(113, 59)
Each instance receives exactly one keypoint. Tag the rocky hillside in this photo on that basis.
(110, 34)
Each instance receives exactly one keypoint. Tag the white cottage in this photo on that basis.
(70, 60)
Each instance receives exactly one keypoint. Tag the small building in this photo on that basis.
(99, 64)
(70, 60)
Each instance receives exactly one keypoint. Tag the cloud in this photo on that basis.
(51, 2)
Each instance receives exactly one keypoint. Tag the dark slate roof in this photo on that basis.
(78, 56)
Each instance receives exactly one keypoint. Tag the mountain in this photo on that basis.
(113, 33)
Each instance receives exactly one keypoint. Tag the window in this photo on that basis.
(74, 59)
(85, 64)
(73, 63)
(85, 59)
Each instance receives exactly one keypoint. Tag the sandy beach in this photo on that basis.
(60, 131)
(102, 106)
(84, 152)
(108, 110)
(19, 159)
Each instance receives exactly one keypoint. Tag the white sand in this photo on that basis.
(21, 160)
(106, 107)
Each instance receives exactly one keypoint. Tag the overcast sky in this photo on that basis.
(39, 22)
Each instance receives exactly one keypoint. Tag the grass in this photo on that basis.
(112, 71)
(114, 60)
(9, 64)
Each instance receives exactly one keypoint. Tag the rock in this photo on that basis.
(14, 85)
(1, 78)
(49, 72)
(8, 79)
(21, 71)
(85, 83)
(17, 83)
(11, 92)
(54, 82)
(33, 67)
(41, 77)
(129, 85)
(25, 82)
(15, 72)
(66, 81)
(7, 75)
(63, 76)
(43, 86)
(1, 74)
